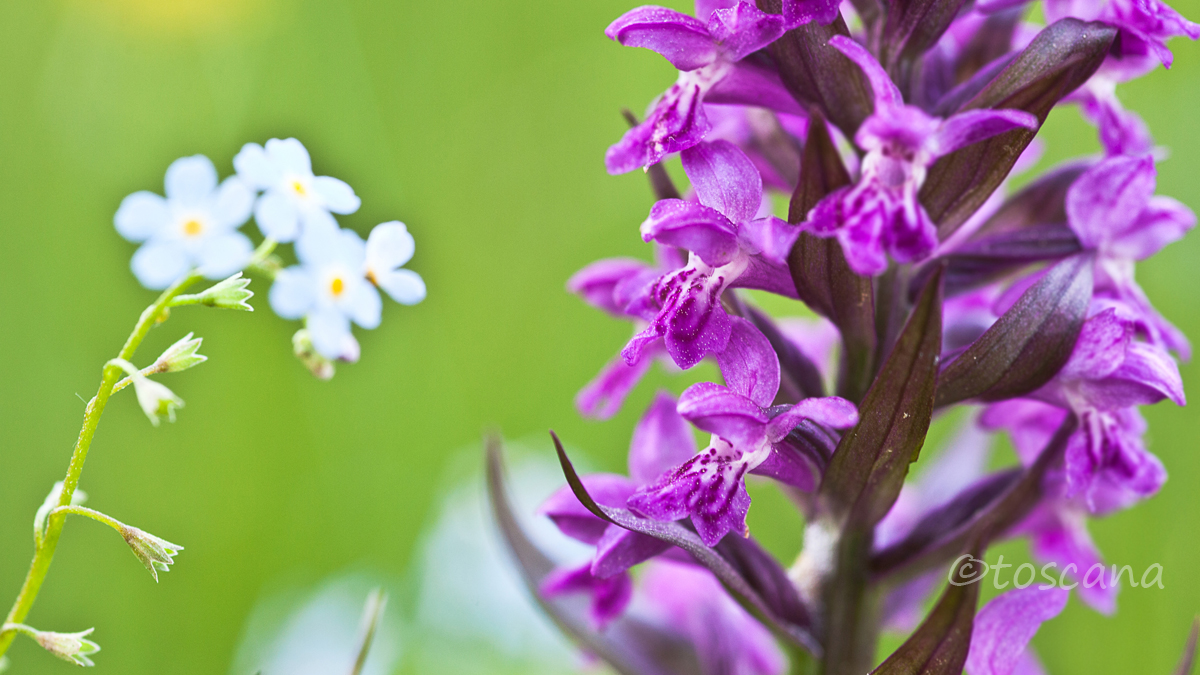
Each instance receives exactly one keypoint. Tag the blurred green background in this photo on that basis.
(480, 124)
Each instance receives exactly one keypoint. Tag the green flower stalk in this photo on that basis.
(52, 529)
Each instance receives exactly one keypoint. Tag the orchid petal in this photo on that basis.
(1004, 627)
(1066, 543)
(597, 282)
(681, 39)
(1100, 348)
(609, 596)
(1108, 197)
(709, 487)
(744, 29)
(705, 8)
(603, 396)
(887, 94)
(1146, 376)
(694, 227)
(662, 439)
(789, 467)
(724, 179)
(973, 126)
(749, 364)
(1163, 221)
(721, 411)
(676, 122)
(833, 411)
(747, 83)
(691, 321)
(573, 518)
(771, 237)
(619, 549)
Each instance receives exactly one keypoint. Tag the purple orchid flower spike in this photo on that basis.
(1113, 210)
(730, 247)
(661, 440)
(748, 436)
(881, 214)
(612, 285)
(727, 639)
(1004, 627)
(707, 52)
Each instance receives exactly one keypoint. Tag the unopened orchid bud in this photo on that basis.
(318, 365)
(72, 647)
(180, 356)
(155, 553)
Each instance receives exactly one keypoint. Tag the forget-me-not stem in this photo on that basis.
(44, 554)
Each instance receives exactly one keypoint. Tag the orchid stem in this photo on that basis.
(44, 554)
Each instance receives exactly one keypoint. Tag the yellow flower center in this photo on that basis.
(337, 286)
(299, 188)
(192, 228)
